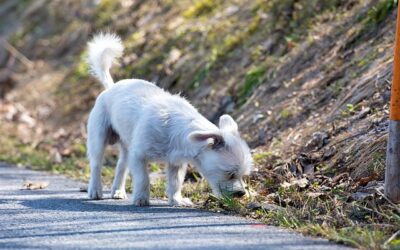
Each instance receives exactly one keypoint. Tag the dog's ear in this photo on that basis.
(207, 138)
(227, 123)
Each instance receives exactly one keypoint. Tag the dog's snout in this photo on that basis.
(239, 193)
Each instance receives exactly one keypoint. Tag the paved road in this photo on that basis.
(61, 217)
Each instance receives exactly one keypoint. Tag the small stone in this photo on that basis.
(331, 151)
(315, 194)
(318, 140)
(309, 169)
(360, 196)
(271, 207)
(253, 205)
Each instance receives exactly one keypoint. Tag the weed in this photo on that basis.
(201, 7)
(260, 156)
(285, 113)
(380, 11)
(158, 188)
(104, 12)
(201, 75)
(154, 167)
(230, 203)
(253, 78)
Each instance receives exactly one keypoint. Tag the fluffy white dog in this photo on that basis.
(151, 125)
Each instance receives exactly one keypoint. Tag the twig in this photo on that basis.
(28, 63)
(391, 238)
(388, 200)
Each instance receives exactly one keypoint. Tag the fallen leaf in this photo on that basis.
(315, 194)
(301, 183)
(30, 185)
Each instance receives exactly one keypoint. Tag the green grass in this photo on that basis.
(380, 11)
(260, 156)
(104, 12)
(252, 79)
(200, 8)
(285, 113)
(75, 165)
(201, 75)
(158, 188)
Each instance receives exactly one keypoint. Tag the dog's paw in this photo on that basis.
(95, 192)
(141, 202)
(182, 202)
(119, 194)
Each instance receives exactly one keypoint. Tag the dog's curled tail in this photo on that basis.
(104, 48)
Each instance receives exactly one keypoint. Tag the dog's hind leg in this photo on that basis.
(121, 172)
(176, 176)
(96, 142)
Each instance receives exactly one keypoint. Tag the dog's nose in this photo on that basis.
(239, 193)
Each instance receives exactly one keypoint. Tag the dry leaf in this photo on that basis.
(30, 185)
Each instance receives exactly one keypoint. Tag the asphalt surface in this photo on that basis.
(61, 217)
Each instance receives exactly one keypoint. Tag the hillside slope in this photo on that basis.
(307, 81)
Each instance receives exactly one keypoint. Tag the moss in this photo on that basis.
(16, 37)
(252, 79)
(260, 156)
(200, 8)
(82, 68)
(201, 75)
(104, 12)
(380, 11)
(285, 113)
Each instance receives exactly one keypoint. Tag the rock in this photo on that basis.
(271, 207)
(309, 169)
(373, 187)
(257, 116)
(328, 153)
(318, 140)
(253, 205)
(360, 196)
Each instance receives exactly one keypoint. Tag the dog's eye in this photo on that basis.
(218, 143)
(230, 175)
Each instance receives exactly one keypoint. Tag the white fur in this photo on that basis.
(103, 50)
(153, 125)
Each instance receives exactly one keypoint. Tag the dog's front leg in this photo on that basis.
(176, 176)
(141, 183)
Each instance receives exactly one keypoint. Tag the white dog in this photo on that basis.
(151, 125)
